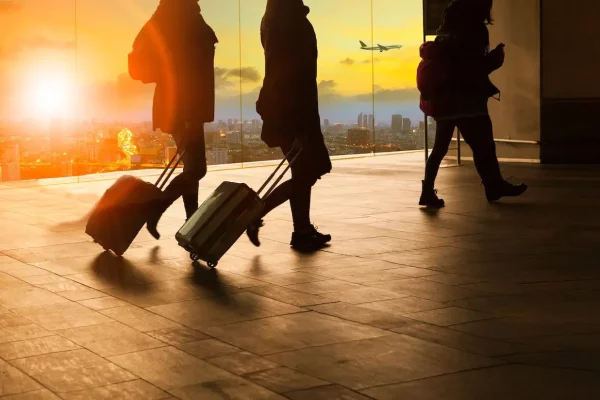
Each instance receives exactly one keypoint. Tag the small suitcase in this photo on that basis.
(223, 218)
(123, 210)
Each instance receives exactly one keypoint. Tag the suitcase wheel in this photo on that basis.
(212, 265)
(194, 257)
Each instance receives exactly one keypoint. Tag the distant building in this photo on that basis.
(11, 163)
(370, 121)
(406, 125)
(217, 156)
(365, 123)
(359, 137)
(326, 123)
(360, 120)
(397, 123)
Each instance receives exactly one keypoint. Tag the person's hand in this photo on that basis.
(298, 143)
(496, 57)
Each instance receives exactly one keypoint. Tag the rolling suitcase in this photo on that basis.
(224, 217)
(123, 210)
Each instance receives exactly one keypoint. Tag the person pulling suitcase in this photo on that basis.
(176, 49)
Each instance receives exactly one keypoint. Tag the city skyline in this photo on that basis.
(50, 66)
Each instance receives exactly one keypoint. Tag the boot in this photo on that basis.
(309, 240)
(429, 197)
(494, 192)
(253, 230)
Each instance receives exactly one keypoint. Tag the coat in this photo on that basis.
(453, 75)
(185, 50)
(289, 102)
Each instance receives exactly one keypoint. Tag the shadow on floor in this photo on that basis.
(120, 273)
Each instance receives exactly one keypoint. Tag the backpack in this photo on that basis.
(143, 61)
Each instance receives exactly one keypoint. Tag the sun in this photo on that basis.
(49, 93)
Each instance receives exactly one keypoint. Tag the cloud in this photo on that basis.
(349, 61)
(9, 6)
(327, 87)
(329, 95)
(229, 77)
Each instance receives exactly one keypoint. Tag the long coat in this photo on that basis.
(185, 47)
(289, 102)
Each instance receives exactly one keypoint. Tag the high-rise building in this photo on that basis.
(406, 124)
(365, 123)
(397, 123)
(326, 123)
(11, 163)
(218, 156)
(370, 121)
(360, 120)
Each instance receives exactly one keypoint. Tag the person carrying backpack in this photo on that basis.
(176, 50)
(453, 78)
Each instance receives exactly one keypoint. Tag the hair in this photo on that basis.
(468, 20)
(284, 8)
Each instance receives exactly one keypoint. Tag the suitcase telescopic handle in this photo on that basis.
(171, 168)
(280, 177)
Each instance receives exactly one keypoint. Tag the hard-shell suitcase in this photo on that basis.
(224, 217)
(124, 208)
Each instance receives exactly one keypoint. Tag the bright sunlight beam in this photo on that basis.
(49, 93)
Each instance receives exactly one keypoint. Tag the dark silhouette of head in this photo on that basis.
(285, 8)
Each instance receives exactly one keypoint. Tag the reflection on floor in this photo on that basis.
(475, 301)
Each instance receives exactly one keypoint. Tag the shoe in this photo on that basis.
(157, 210)
(429, 197)
(309, 240)
(252, 232)
(504, 189)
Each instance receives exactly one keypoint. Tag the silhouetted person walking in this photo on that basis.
(184, 98)
(453, 78)
(289, 106)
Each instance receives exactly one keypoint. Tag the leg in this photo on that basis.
(479, 135)
(443, 137)
(185, 184)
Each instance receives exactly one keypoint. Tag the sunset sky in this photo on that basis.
(58, 60)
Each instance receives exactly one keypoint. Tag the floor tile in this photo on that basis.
(288, 332)
(326, 393)
(169, 368)
(110, 339)
(375, 362)
(450, 316)
(22, 332)
(177, 336)
(289, 296)
(41, 394)
(509, 382)
(62, 316)
(404, 305)
(232, 389)
(283, 380)
(356, 313)
(324, 287)
(364, 295)
(208, 348)
(223, 310)
(139, 319)
(35, 347)
(27, 296)
(13, 381)
(242, 363)
(136, 389)
(103, 303)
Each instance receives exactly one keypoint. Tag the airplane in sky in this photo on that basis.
(379, 47)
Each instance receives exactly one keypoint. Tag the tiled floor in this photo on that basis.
(475, 301)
